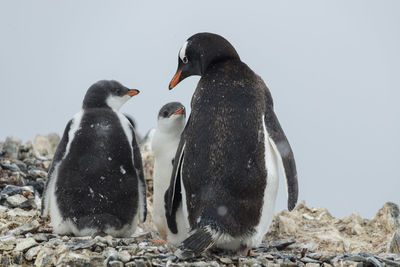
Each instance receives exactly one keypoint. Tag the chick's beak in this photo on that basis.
(179, 111)
(175, 80)
(132, 92)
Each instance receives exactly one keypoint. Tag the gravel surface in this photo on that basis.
(304, 237)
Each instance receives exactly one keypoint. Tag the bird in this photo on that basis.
(170, 124)
(95, 182)
(224, 181)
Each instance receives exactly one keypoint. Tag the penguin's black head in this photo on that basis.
(170, 109)
(109, 94)
(199, 52)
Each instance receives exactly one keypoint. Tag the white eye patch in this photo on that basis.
(182, 52)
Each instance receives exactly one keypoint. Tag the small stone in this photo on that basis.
(25, 228)
(311, 264)
(124, 256)
(6, 246)
(16, 200)
(41, 237)
(11, 147)
(389, 217)
(115, 264)
(45, 258)
(3, 209)
(110, 241)
(225, 260)
(29, 204)
(46, 145)
(98, 249)
(374, 262)
(316, 255)
(79, 258)
(37, 173)
(281, 244)
(32, 253)
(309, 260)
(245, 262)
(82, 244)
(7, 242)
(24, 244)
(17, 257)
(394, 243)
(308, 217)
(101, 239)
(11, 167)
(17, 212)
(356, 258)
(287, 225)
(138, 263)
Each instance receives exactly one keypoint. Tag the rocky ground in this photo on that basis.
(304, 237)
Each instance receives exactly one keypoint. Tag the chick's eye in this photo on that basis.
(185, 60)
(165, 113)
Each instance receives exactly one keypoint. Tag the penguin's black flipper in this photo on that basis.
(58, 155)
(173, 196)
(131, 120)
(282, 147)
(137, 162)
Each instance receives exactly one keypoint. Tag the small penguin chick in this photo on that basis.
(171, 121)
(171, 117)
(96, 182)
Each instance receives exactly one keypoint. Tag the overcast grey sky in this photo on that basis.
(333, 68)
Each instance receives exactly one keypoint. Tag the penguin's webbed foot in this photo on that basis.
(243, 251)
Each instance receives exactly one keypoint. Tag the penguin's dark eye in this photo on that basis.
(185, 59)
(165, 114)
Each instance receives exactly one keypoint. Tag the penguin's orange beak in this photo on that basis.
(179, 111)
(175, 80)
(132, 92)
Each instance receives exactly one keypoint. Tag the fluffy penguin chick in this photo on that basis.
(95, 182)
(171, 121)
(225, 176)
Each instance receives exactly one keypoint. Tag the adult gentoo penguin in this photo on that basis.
(225, 176)
(171, 121)
(96, 183)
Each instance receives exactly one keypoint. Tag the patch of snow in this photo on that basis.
(121, 168)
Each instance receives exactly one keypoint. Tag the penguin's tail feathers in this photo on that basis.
(199, 241)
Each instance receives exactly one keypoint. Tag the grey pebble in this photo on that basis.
(15, 200)
(41, 237)
(374, 262)
(10, 167)
(28, 204)
(115, 264)
(310, 260)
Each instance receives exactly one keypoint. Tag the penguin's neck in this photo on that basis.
(170, 126)
(112, 102)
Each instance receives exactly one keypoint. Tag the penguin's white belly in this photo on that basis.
(182, 220)
(270, 191)
(162, 177)
(164, 147)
